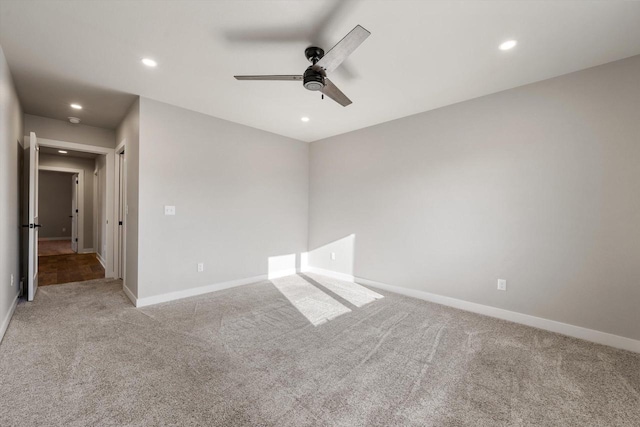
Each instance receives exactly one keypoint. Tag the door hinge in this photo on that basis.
(76, 239)
(76, 210)
(119, 222)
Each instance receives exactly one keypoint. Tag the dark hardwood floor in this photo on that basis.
(57, 269)
(54, 247)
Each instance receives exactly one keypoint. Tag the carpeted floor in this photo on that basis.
(82, 355)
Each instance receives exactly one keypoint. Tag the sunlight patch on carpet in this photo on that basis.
(314, 304)
(356, 294)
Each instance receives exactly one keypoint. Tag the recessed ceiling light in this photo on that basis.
(62, 152)
(76, 106)
(509, 44)
(149, 62)
(305, 119)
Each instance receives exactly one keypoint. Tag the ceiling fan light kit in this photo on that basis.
(315, 76)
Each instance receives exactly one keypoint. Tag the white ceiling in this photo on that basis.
(421, 55)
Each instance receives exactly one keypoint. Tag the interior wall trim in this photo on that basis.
(586, 334)
(130, 295)
(329, 273)
(7, 318)
(172, 296)
(101, 260)
(282, 273)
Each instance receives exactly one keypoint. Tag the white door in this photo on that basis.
(32, 280)
(74, 212)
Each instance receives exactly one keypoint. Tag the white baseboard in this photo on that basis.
(130, 295)
(171, 296)
(7, 319)
(512, 316)
(282, 273)
(329, 273)
(88, 251)
(102, 261)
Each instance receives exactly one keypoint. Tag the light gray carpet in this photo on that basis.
(82, 355)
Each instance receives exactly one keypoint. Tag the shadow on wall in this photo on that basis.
(322, 287)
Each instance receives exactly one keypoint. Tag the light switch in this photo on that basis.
(169, 210)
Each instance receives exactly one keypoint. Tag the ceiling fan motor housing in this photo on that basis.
(313, 78)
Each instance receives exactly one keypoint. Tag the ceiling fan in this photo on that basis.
(315, 77)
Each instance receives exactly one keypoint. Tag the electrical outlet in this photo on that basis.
(200, 267)
(169, 210)
(502, 285)
(12, 280)
(333, 255)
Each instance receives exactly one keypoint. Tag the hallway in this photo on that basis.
(57, 264)
(54, 247)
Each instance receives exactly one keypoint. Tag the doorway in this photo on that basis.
(82, 256)
(65, 246)
(60, 200)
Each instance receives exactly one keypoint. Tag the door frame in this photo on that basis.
(80, 201)
(112, 231)
(121, 212)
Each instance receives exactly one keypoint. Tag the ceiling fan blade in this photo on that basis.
(345, 47)
(275, 77)
(334, 93)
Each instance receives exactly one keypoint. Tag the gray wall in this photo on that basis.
(241, 196)
(65, 131)
(54, 205)
(129, 131)
(88, 165)
(100, 197)
(539, 185)
(11, 132)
